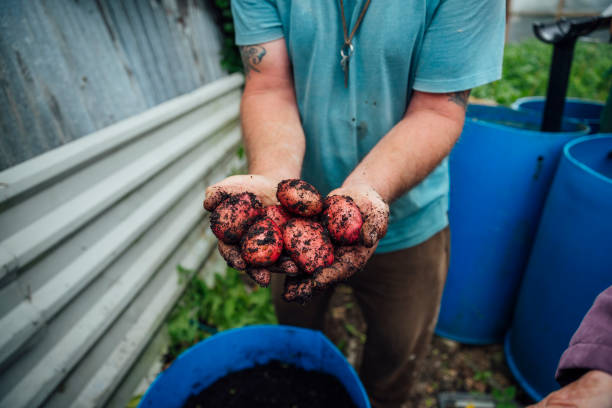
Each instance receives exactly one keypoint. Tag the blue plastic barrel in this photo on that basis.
(500, 172)
(570, 264)
(237, 349)
(583, 110)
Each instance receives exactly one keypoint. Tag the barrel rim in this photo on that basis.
(582, 128)
(516, 104)
(587, 169)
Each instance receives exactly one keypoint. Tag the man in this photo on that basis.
(366, 100)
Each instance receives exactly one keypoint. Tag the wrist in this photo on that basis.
(275, 175)
(362, 182)
(273, 170)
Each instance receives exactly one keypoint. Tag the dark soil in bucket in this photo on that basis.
(273, 385)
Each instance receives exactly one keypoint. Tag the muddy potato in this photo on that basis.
(299, 197)
(308, 244)
(262, 245)
(277, 214)
(342, 218)
(232, 218)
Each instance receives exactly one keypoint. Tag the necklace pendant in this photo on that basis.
(345, 54)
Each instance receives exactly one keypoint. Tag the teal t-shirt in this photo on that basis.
(427, 45)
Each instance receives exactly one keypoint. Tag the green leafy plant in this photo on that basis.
(482, 376)
(352, 330)
(504, 398)
(230, 56)
(203, 311)
(526, 68)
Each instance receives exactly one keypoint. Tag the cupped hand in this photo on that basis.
(348, 260)
(264, 189)
(374, 210)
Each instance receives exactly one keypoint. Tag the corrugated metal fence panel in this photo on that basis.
(69, 68)
(91, 234)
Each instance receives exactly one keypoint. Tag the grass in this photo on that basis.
(526, 68)
(203, 311)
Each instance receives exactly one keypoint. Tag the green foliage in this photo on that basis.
(203, 311)
(526, 66)
(505, 398)
(482, 376)
(134, 401)
(353, 331)
(430, 402)
(230, 56)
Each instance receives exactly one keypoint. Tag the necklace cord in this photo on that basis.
(347, 38)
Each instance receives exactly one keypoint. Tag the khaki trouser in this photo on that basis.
(399, 294)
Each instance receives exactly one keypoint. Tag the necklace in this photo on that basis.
(347, 49)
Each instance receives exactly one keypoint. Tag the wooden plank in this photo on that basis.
(70, 68)
(96, 73)
(174, 28)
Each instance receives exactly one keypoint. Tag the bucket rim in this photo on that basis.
(580, 164)
(259, 327)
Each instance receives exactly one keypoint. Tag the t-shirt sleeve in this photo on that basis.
(256, 21)
(463, 46)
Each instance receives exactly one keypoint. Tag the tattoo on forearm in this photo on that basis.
(251, 57)
(460, 98)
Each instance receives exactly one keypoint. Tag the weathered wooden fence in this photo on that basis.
(91, 234)
(71, 67)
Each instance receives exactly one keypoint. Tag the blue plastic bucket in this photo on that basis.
(237, 349)
(583, 110)
(500, 172)
(570, 264)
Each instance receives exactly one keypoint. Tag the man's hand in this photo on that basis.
(264, 189)
(374, 209)
(348, 260)
(592, 390)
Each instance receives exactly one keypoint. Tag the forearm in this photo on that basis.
(272, 133)
(408, 153)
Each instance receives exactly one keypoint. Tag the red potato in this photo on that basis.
(299, 197)
(262, 245)
(342, 218)
(277, 214)
(232, 218)
(308, 244)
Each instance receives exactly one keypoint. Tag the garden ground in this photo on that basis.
(449, 366)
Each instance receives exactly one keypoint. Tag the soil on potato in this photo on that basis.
(273, 385)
